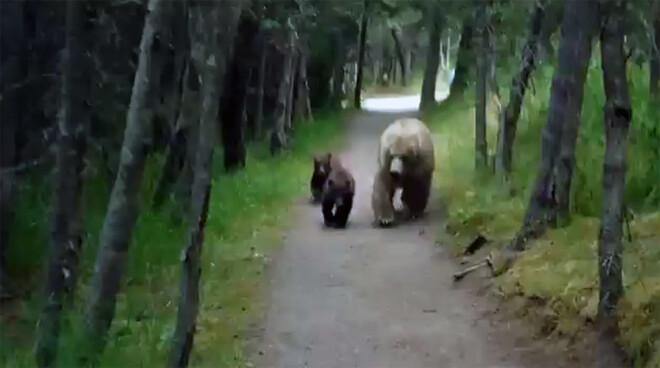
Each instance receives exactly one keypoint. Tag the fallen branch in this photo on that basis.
(486, 262)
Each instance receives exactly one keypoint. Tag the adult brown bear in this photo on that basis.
(405, 160)
(338, 192)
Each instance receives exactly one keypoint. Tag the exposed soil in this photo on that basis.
(369, 297)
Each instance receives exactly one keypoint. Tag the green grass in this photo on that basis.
(247, 211)
(560, 269)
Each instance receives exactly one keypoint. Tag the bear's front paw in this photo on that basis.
(385, 221)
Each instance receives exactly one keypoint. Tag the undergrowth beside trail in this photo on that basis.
(247, 210)
(557, 278)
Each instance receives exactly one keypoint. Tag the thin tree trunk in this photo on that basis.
(278, 138)
(303, 109)
(398, 48)
(233, 94)
(481, 90)
(122, 206)
(463, 59)
(66, 240)
(261, 81)
(578, 24)
(176, 153)
(288, 116)
(509, 121)
(213, 34)
(362, 46)
(12, 58)
(435, 21)
(338, 71)
(617, 118)
(188, 125)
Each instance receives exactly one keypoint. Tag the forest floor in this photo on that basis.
(368, 297)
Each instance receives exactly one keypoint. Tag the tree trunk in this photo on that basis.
(13, 70)
(66, 226)
(303, 109)
(338, 71)
(552, 18)
(398, 48)
(261, 80)
(617, 118)
(463, 59)
(435, 21)
(278, 138)
(509, 121)
(215, 24)
(654, 67)
(293, 78)
(232, 107)
(578, 24)
(362, 46)
(176, 153)
(122, 206)
(481, 90)
(188, 125)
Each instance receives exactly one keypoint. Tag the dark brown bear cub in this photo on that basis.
(319, 176)
(338, 193)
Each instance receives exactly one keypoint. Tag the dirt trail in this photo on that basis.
(367, 297)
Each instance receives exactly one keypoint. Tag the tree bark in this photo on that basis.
(463, 59)
(617, 118)
(188, 125)
(122, 206)
(278, 138)
(362, 46)
(435, 21)
(398, 48)
(232, 107)
(509, 121)
(11, 116)
(578, 25)
(303, 109)
(338, 71)
(66, 226)
(261, 81)
(212, 37)
(176, 153)
(481, 90)
(293, 78)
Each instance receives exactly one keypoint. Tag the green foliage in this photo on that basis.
(246, 212)
(561, 268)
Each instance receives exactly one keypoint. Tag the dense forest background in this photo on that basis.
(150, 150)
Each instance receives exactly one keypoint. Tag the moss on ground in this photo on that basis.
(557, 278)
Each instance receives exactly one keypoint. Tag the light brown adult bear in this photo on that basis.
(405, 160)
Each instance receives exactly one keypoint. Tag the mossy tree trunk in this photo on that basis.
(66, 222)
(122, 209)
(212, 34)
(578, 24)
(617, 118)
(507, 133)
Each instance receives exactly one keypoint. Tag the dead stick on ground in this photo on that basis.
(461, 274)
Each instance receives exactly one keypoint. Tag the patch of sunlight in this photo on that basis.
(398, 103)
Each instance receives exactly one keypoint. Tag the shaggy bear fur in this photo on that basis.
(319, 176)
(405, 160)
(338, 193)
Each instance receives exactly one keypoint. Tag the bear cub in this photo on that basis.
(319, 176)
(338, 192)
